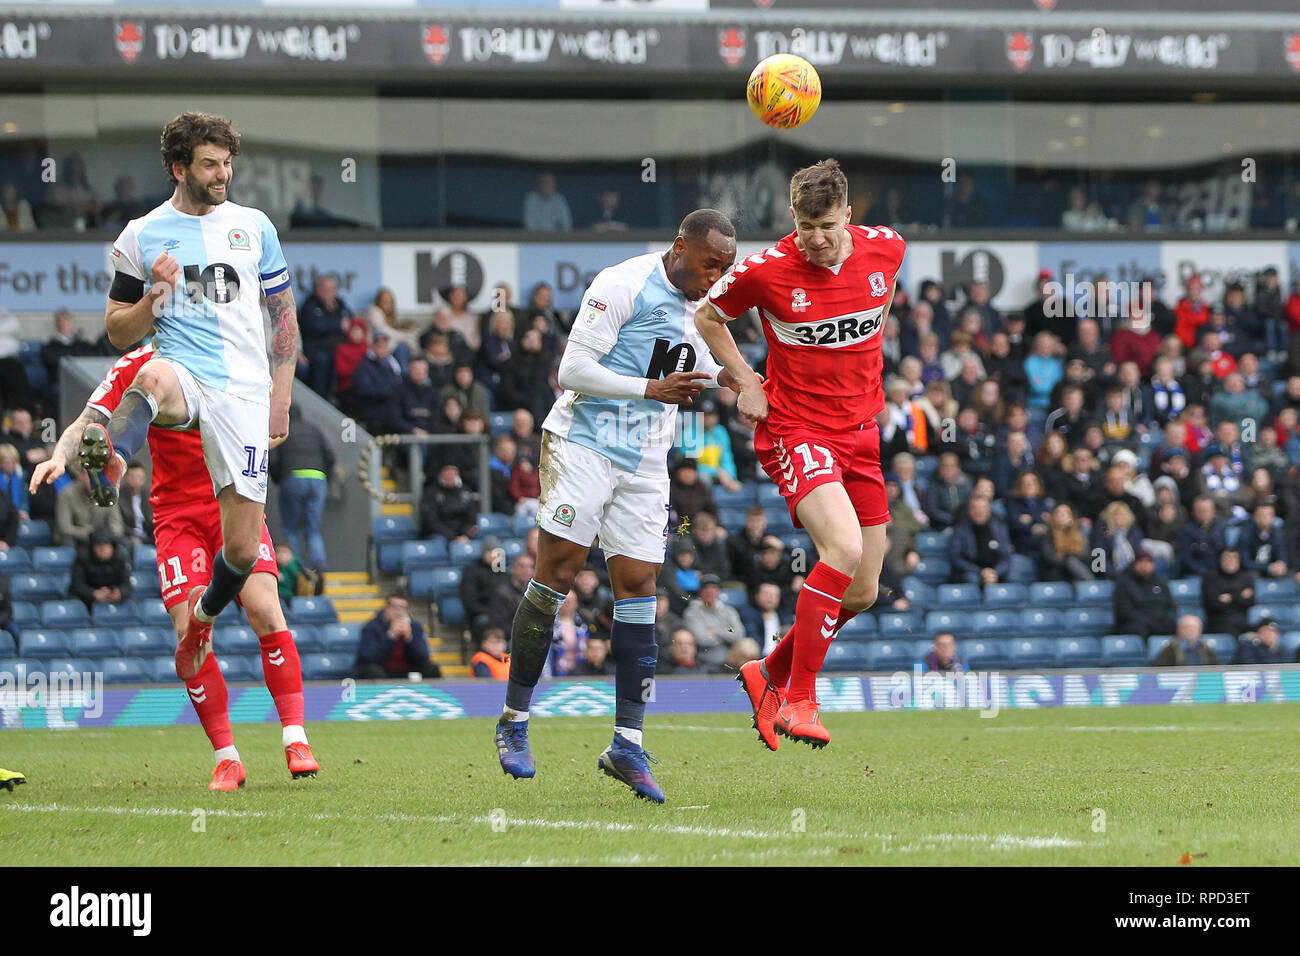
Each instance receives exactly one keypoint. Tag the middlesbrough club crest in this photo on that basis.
(436, 44)
(1020, 50)
(129, 40)
(731, 46)
(1293, 51)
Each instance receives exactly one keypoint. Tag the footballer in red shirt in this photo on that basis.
(187, 532)
(823, 293)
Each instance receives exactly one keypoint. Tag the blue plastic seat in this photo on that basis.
(37, 587)
(1051, 594)
(326, 666)
(1290, 641)
(889, 655)
(15, 670)
(239, 667)
(933, 543)
(462, 553)
(846, 656)
(8, 645)
(451, 611)
(900, 625)
(26, 614)
(96, 642)
(1094, 593)
(1005, 595)
(393, 528)
(1123, 650)
(926, 466)
(1279, 612)
(121, 614)
(859, 628)
(934, 570)
(743, 497)
(1186, 590)
(778, 519)
(307, 637)
(1040, 621)
(1026, 653)
(71, 665)
(493, 523)
(314, 610)
(1225, 646)
(996, 624)
(70, 613)
(147, 641)
(51, 559)
(768, 494)
(423, 554)
(983, 654)
(958, 597)
(1078, 652)
(340, 638)
(145, 584)
(500, 423)
(125, 670)
(420, 583)
(1155, 644)
(34, 533)
(153, 613)
(1024, 570)
(15, 560)
(1275, 590)
(513, 548)
(961, 623)
(734, 596)
(144, 556)
(1087, 621)
(45, 644)
(388, 555)
(522, 524)
(235, 640)
(446, 581)
(919, 593)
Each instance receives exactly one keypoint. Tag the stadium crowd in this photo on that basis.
(1129, 441)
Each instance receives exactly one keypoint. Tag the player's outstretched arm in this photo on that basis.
(712, 326)
(285, 344)
(50, 470)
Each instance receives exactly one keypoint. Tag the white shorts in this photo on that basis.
(235, 432)
(585, 496)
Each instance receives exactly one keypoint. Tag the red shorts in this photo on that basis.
(799, 458)
(187, 541)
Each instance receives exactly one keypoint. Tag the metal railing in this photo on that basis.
(371, 470)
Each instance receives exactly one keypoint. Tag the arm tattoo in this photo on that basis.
(284, 328)
(66, 449)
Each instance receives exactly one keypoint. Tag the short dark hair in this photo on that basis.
(939, 634)
(181, 135)
(818, 188)
(699, 224)
(398, 595)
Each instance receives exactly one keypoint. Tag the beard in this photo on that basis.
(201, 195)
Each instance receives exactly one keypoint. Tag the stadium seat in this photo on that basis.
(162, 669)
(778, 519)
(859, 628)
(144, 557)
(51, 559)
(96, 642)
(451, 611)
(493, 523)
(926, 466)
(326, 666)
(983, 654)
(513, 548)
(933, 543)
(921, 650)
(1155, 644)
(734, 596)
(1225, 646)
(919, 593)
(768, 494)
(1094, 593)
(1040, 620)
(314, 610)
(1024, 570)
(499, 423)
(1027, 653)
(1123, 650)
(1078, 652)
(34, 533)
(419, 583)
(1275, 590)
(846, 656)
(121, 614)
(124, 670)
(145, 584)
(798, 539)
(1051, 594)
(461, 553)
(900, 625)
(1001, 623)
(307, 637)
(733, 519)
(888, 655)
(70, 665)
(1194, 609)
(148, 642)
(1186, 590)
(37, 587)
(8, 645)
(393, 528)
(15, 670)
(423, 554)
(45, 644)
(1005, 595)
(26, 614)
(340, 638)
(153, 613)
(15, 560)
(933, 570)
(69, 613)
(522, 524)
(388, 556)
(1289, 640)
(1279, 612)
(236, 640)
(958, 597)
(445, 581)
(742, 498)
(239, 667)
(1087, 621)
(961, 623)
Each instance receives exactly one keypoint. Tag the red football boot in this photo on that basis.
(301, 762)
(229, 775)
(196, 645)
(764, 699)
(801, 720)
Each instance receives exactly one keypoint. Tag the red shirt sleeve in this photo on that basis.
(742, 288)
(109, 392)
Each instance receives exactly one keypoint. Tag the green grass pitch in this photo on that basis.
(1129, 786)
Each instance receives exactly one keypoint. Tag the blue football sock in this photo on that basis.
(635, 654)
(128, 429)
(225, 584)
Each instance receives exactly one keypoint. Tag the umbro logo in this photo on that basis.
(659, 314)
(171, 244)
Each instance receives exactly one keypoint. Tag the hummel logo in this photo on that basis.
(829, 630)
(276, 657)
(792, 486)
(199, 694)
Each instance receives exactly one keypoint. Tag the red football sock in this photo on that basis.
(779, 662)
(282, 671)
(815, 618)
(210, 698)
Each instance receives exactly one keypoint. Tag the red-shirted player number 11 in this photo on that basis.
(810, 467)
(178, 576)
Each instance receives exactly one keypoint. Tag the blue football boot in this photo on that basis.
(629, 764)
(512, 747)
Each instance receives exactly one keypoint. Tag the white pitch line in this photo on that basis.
(1157, 728)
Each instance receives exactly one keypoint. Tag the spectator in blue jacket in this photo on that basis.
(1263, 544)
(322, 320)
(1201, 539)
(377, 389)
(1263, 646)
(1044, 369)
(981, 546)
(393, 644)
